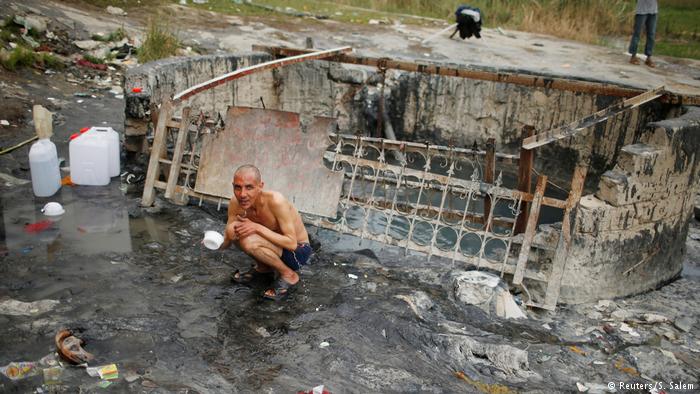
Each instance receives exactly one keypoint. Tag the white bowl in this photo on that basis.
(213, 240)
(53, 209)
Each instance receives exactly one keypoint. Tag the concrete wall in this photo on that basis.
(630, 236)
(421, 107)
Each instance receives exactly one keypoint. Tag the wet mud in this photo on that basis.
(142, 292)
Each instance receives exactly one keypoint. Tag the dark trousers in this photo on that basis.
(649, 22)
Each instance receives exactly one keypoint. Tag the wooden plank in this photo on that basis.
(530, 230)
(158, 149)
(573, 128)
(489, 173)
(184, 95)
(567, 227)
(527, 157)
(538, 81)
(176, 160)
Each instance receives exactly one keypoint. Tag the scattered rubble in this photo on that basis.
(488, 292)
(12, 307)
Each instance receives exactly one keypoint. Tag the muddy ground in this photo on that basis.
(136, 285)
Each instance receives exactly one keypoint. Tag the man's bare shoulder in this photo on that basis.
(276, 198)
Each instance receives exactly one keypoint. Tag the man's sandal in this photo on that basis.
(250, 276)
(281, 289)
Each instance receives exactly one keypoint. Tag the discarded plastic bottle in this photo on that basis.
(43, 164)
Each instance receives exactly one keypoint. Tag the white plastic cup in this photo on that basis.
(213, 240)
(53, 209)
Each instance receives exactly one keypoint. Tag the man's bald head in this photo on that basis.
(248, 168)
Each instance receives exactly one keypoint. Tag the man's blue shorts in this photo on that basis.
(297, 258)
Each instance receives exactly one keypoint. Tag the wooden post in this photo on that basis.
(530, 230)
(527, 158)
(489, 176)
(567, 229)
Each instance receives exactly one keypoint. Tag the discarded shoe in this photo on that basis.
(250, 276)
(281, 289)
(70, 348)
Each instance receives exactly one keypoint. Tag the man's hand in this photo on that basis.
(245, 227)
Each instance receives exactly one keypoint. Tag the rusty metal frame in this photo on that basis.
(537, 81)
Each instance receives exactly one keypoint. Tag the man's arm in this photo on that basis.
(282, 211)
(232, 205)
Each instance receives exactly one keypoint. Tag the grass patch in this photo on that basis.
(93, 59)
(678, 49)
(6, 35)
(18, 57)
(47, 60)
(116, 35)
(160, 42)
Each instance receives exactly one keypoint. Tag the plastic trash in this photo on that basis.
(316, 390)
(35, 228)
(19, 370)
(43, 165)
(53, 209)
(53, 375)
(89, 160)
(112, 138)
(213, 240)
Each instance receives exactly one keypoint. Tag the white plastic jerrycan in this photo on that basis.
(43, 164)
(89, 159)
(112, 138)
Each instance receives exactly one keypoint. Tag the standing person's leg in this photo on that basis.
(651, 38)
(634, 42)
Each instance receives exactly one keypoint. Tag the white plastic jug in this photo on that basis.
(89, 160)
(43, 164)
(112, 138)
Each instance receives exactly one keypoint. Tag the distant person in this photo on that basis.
(468, 22)
(267, 227)
(645, 15)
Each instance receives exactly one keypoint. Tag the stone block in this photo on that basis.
(593, 215)
(618, 188)
(639, 159)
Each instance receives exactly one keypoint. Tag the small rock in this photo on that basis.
(669, 355)
(31, 22)
(605, 305)
(87, 45)
(324, 344)
(608, 328)
(262, 332)
(625, 328)
(115, 11)
(4, 122)
(581, 387)
(352, 276)
(654, 318)
(622, 315)
(595, 315)
(684, 323)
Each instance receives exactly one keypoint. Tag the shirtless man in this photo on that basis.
(267, 227)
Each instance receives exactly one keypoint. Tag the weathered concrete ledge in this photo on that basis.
(631, 234)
